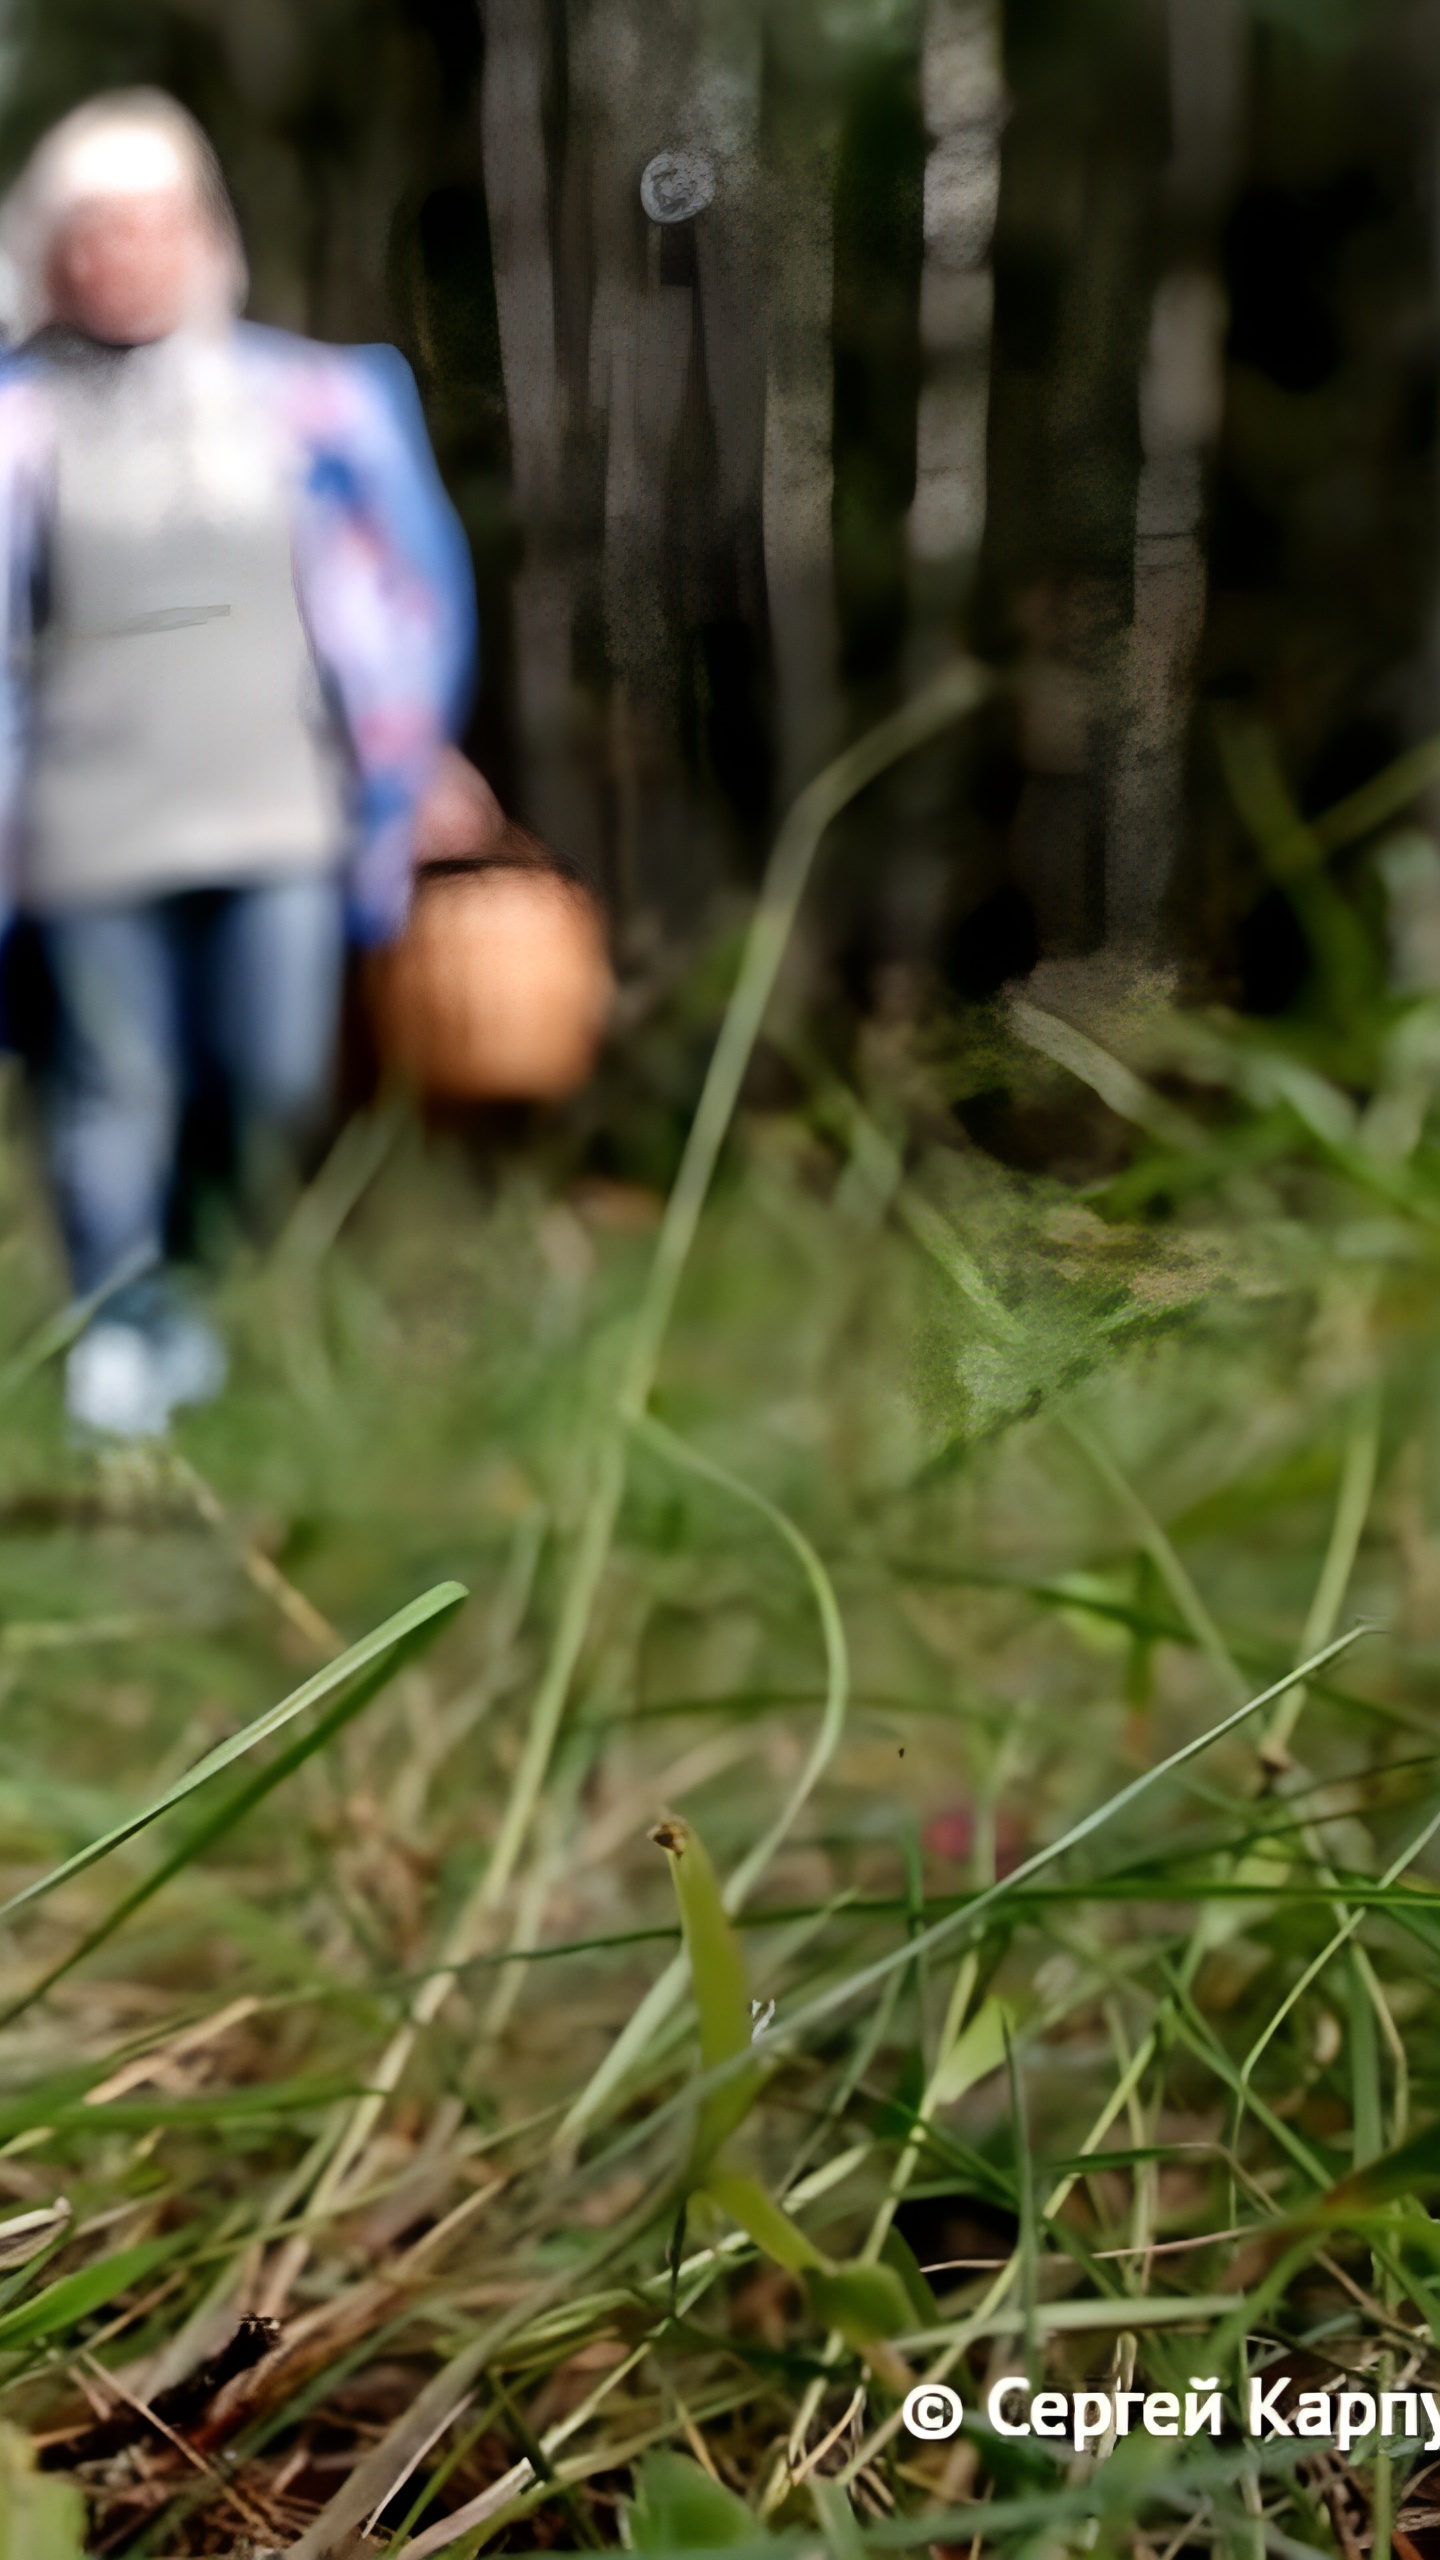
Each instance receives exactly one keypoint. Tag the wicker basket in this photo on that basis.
(500, 986)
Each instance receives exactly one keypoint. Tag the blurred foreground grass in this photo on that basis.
(973, 1495)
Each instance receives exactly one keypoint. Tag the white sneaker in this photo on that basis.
(124, 1381)
(193, 1365)
(115, 1384)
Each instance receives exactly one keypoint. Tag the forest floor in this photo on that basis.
(346, 2103)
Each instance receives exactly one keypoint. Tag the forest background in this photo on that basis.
(1107, 334)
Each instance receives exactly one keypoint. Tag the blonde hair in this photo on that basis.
(127, 142)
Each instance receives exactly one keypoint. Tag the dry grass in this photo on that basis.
(1015, 1470)
(974, 1498)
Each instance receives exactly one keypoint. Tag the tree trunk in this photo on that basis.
(798, 446)
(518, 202)
(633, 76)
(962, 91)
(1075, 263)
(1181, 398)
(726, 118)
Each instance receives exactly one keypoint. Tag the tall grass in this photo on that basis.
(968, 1531)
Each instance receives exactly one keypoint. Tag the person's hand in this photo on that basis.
(459, 814)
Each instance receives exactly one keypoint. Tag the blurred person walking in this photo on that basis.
(240, 630)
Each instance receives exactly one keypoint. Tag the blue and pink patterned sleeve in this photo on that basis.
(25, 478)
(388, 593)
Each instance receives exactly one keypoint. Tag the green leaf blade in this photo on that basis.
(442, 1601)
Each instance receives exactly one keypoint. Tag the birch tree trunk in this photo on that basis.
(962, 95)
(1181, 398)
(962, 91)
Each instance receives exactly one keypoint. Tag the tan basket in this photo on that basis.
(500, 986)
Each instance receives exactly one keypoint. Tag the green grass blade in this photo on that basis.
(767, 2223)
(240, 1802)
(1352, 1509)
(437, 1604)
(1384, 796)
(41, 2518)
(664, 1992)
(719, 1981)
(1163, 1556)
(678, 2507)
(832, 1627)
(64, 2304)
(956, 1924)
(717, 1965)
(958, 689)
(255, 2102)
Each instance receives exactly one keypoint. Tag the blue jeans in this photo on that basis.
(234, 990)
